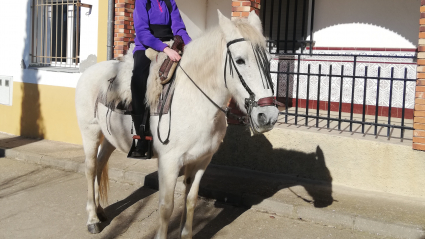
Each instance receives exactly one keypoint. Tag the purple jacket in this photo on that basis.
(158, 14)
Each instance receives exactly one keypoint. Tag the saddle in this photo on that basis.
(168, 67)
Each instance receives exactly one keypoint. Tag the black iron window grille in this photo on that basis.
(288, 24)
(55, 33)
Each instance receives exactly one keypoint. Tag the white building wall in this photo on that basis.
(193, 14)
(89, 29)
(366, 23)
(225, 7)
(201, 15)
(15, 44)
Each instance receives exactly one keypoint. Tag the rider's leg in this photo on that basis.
(138, 91)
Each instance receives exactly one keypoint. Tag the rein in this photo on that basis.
(241, 119)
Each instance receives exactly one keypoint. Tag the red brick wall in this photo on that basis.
(124, 26)
(419, 119)
(242, 8)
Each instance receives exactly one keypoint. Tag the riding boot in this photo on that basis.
(142, 145)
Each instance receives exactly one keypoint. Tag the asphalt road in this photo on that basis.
(41, 202)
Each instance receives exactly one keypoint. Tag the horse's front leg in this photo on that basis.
(91, 141)
(193, 175)
(168, 171)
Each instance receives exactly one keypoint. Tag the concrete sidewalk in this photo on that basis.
(322, 203)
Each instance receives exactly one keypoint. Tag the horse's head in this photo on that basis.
(247, 70)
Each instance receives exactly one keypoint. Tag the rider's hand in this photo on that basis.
(174, 56)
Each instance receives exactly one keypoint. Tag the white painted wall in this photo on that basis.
(89, 29)
(367, 23)
(201, 15)
(225, 7)
(193, 14)
(15, 44)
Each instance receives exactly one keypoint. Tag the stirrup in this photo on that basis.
(147, 155)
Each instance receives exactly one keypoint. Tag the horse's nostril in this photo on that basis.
(262, 119)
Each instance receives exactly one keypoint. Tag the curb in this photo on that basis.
(315, 215)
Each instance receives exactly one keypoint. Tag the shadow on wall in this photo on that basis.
(242, 150)
(31, 119)
(398, 16)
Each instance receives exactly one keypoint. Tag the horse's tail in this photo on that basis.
(104, 184)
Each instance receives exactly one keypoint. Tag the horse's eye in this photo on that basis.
(240, 61)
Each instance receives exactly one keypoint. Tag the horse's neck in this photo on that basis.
(203, 62)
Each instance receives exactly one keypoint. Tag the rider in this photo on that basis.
(155, 21)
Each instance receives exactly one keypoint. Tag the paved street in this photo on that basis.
(41, 202)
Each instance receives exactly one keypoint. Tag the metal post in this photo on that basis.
(110, 42)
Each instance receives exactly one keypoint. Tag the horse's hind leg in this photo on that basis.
(168, 171)
(92, 136)
(192, 178)
(102, 180)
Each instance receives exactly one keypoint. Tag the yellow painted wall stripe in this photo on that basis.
(41, 111)
(102, 31)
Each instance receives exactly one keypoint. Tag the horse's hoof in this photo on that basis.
(93, 228)
(102, 217)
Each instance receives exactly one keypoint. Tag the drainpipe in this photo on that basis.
(110, 33)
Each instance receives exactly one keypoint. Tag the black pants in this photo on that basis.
(139, 82)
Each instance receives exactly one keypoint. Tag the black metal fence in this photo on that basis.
(378, 86)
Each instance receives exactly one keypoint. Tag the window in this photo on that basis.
(55, 33)
(287, 24)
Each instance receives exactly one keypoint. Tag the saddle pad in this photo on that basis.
(119, 107)
(168, 87)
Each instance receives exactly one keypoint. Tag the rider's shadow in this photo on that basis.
(242, 150)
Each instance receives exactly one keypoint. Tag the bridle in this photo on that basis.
(250, 102)
(264, 67)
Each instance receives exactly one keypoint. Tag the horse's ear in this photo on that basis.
(227, 26)
(255, 21)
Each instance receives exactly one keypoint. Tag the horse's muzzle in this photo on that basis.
(264, 118)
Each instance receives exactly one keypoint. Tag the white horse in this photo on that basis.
(197, 125)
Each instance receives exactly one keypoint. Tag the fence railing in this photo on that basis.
(366, 90)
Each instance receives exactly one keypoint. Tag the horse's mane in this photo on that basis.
(200, 60)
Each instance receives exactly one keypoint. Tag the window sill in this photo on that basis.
(56, 69)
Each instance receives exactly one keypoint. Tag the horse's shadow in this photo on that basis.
(251, 152)
(242, 150)
(290, 168)
(115, 210)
